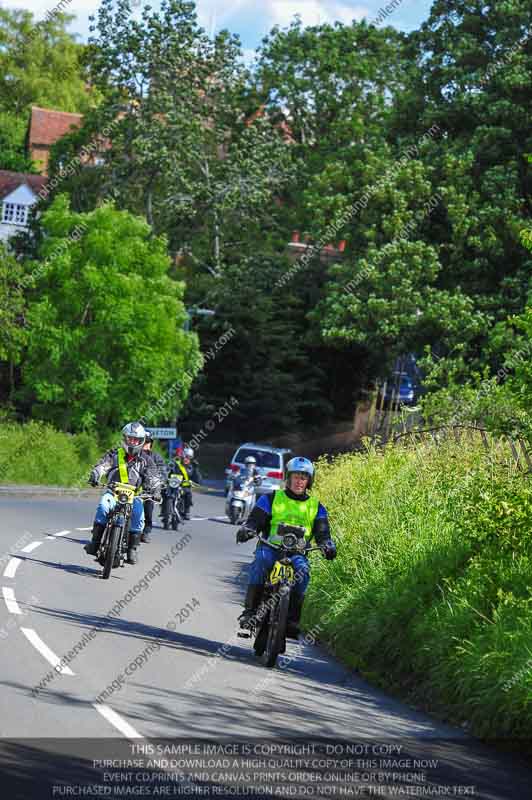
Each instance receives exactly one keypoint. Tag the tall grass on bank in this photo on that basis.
(435, 551)
(37, 454)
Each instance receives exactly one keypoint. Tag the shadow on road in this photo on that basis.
(146, 633)
(32, 769)
(74, 569)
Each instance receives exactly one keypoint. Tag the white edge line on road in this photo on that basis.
(84, 529)
(11, 568)
(115, 719)
(61, 533)
(11, 603)
(45, 651)
(50, 537)
(30, 547)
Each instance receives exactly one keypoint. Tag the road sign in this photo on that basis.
(163, 433)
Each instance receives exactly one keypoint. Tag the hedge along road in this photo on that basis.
(152, 652)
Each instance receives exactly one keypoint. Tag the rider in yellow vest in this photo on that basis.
(293, 506)
(185, 465)
(125, 464)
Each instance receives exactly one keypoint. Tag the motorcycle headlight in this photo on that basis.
(123, 498)
(173, 483)
(290, 541)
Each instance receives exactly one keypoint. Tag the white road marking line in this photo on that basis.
(50, 537)
(115, 719)
(197, 519)
(11, 568)
(11, 603)
(30, 547)
(61, 533)
(45, 651)
(84, 529)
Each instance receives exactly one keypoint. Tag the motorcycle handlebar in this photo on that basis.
(278, 546)
(144, 496)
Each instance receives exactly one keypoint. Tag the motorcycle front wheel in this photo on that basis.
(167, 513)
(112, 548)
(276, 630)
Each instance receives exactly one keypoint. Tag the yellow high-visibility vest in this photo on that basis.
(292, 512)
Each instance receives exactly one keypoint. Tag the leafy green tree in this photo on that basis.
(412, 278)
(182, 153)
(13, 332)
(106, 322)
(500, 398)
(265, 363)
(333, 86)
(12, 144)
(40, 64)
(474, 83)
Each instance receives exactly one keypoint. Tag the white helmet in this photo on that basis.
(133, 436)
(299, 464)
(188, 452)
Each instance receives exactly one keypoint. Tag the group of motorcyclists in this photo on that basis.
(136, 463)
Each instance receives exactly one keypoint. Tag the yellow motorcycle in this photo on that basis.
(269, 622)
(112, 551)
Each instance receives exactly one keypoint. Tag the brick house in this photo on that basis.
(45, 128)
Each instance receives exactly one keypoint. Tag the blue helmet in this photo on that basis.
(299, 464)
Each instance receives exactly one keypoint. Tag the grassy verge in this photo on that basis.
(430, 595)
(38, 454)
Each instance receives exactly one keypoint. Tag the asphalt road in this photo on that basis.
(153, 655)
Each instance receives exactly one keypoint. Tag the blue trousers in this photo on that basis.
(108, 502)
(265, 558)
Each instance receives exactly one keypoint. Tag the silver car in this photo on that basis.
(270, 465)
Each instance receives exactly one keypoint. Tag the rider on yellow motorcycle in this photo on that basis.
(293, 506)
(126, 464)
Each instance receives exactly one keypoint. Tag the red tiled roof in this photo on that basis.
(47, 126)
(9, 181)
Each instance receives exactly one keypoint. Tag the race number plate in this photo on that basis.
(281, 572)
(125, 488)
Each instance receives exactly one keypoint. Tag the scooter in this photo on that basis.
(241, 497)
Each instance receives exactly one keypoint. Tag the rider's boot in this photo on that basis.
(146, 535)
(97, 532)
(251, 603)
(133, 544)
(294, 615)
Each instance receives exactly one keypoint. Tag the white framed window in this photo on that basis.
(15, 213)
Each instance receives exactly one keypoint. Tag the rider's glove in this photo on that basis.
(328, 549)
(94, 478)
(244, 535)
(156, 498)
